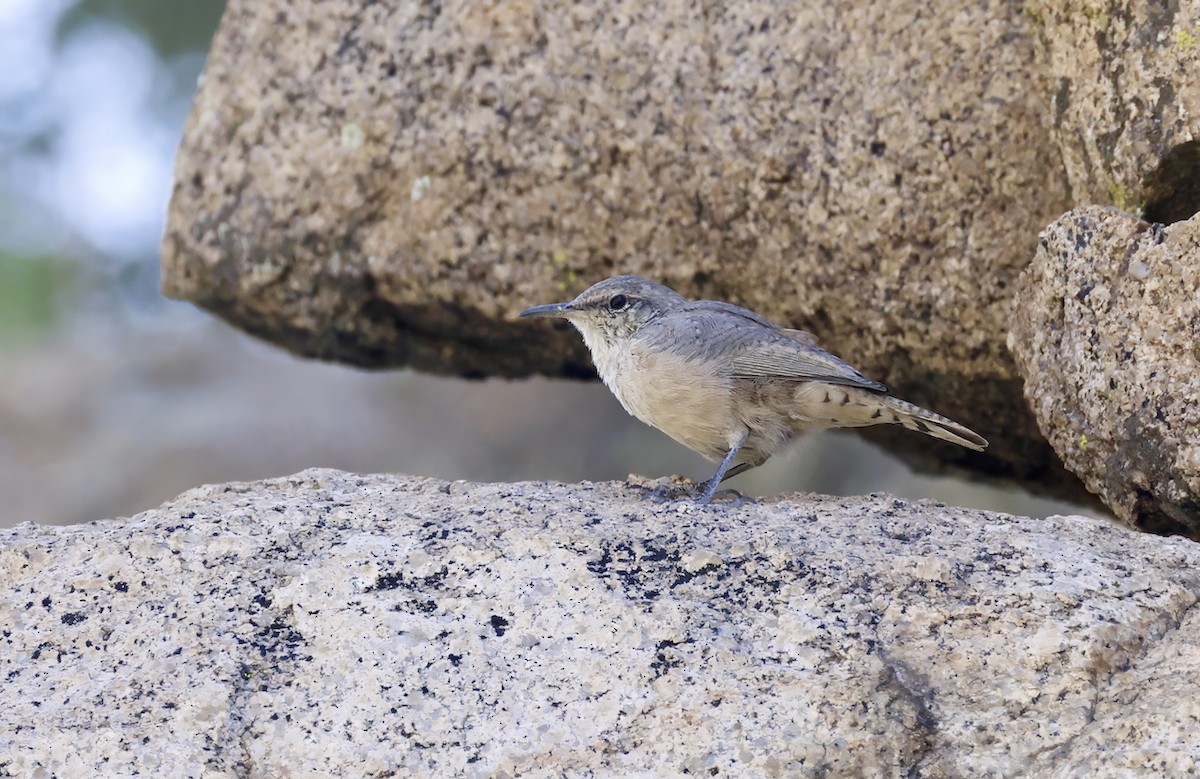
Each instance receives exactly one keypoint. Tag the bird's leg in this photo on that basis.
(735, 470)
(719, 476)
(666, 493)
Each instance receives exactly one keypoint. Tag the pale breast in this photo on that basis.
(682, 398)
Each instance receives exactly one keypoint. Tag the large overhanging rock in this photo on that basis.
(1106, 334)
(388, 184)
(338, 625)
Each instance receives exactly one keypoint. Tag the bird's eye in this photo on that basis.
(618, 303)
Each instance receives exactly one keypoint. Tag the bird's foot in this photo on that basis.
(673, 488)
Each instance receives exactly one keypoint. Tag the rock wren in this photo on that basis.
(723, 381)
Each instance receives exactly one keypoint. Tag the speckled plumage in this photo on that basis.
(724, 381)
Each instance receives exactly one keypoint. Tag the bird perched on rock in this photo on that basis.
(723, 381)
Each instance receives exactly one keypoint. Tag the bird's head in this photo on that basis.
(612, 310)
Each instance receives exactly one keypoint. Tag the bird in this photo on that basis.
(725, 382)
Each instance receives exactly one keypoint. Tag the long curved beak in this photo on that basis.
(559, 310)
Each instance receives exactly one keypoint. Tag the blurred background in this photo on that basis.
(114, 399)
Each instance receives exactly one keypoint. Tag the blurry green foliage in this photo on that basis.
(172, 27)
(32, 292)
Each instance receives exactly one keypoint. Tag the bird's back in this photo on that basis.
(741, 344)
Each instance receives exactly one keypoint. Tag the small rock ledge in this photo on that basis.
(341, 625)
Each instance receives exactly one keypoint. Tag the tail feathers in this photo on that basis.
(925, 421)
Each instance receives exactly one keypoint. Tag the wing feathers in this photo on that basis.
(755, 347)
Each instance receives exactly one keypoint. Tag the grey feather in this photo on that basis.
(782, 358)
(755, 347)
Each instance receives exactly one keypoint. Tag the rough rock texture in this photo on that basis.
(1106, 331)
(387, 183)
(336, 625)
(1125, 103)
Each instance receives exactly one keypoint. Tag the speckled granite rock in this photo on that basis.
(1105, 332)
(388, 183)
(337, 625)
(1125, 104)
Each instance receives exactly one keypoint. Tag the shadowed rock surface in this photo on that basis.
(389, 184)
(333, 624)
(1105, 333)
